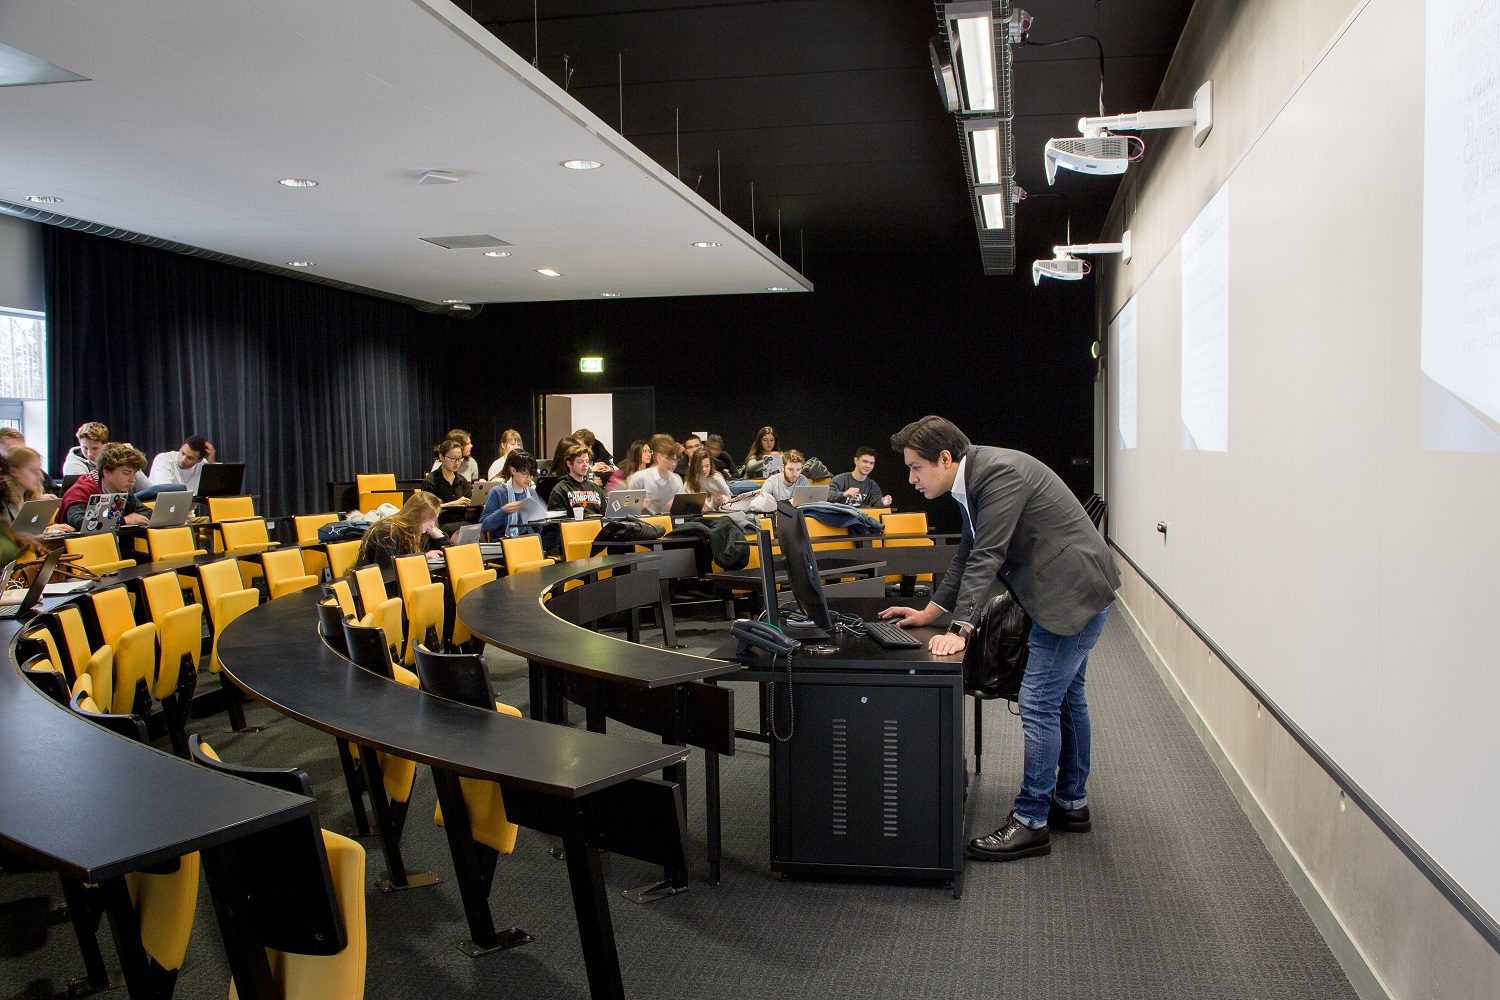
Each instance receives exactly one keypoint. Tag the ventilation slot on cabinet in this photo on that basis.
(890, 763)
(839, 801)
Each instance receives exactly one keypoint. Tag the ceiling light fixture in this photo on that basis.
(497, 253)
(984, 150)
(582, 164)
(971, 39)
(452, 302)
(992, 205)
(44, 199)
(299, 263)
(776, 288)
(705, 245)
(297, 182)
(549, 272)
(609, 295)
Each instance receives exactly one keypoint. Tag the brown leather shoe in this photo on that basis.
(1011, 842)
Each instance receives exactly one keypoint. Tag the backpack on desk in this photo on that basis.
(996, 654)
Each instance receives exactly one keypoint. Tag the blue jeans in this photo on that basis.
(1055, 721)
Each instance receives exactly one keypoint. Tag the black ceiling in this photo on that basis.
(828, 107)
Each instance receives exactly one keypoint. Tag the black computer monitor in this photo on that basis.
(221, 479)
(801, 565)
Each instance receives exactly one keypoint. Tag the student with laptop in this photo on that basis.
(468, 468)
(449, 485)
(781, 485)
(660, 482)
(405, 533)
(857, 487)
(504, 514)
(20, 483)
(180, 469)
(639, 457)
(118, 466)
(510, 441)
(703, 477)
(765, 447)
(92, 437)
(577, 488)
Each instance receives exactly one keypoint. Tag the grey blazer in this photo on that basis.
(1025, 527)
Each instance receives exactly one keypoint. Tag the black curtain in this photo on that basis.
(303, 383)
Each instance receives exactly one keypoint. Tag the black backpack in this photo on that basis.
(995, 657)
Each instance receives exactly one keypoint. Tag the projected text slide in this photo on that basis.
(1205, 327)
(1124, 331)
(1461, 228)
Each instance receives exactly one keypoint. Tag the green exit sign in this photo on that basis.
(591, 364)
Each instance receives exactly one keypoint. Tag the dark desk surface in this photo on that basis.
(275, 653)
(509, 613)
(92, 805)
(853, 651)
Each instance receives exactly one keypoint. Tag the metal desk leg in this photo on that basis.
(668, 624)
(389, 819)
(596, 931)
(248, 965)
(711, 803)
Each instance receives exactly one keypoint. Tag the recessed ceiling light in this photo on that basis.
(297, 182)
(582, 164)
(44, 199)
(549, 272)
(299, 263)
(452, 302)
(609, 295)
(706, 245)
(497, 253)
(776, 288)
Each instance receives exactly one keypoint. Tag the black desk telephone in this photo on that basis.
(762, 636)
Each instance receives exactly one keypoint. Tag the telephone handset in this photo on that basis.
(762, 636)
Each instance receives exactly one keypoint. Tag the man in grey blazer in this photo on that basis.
(1023, 526)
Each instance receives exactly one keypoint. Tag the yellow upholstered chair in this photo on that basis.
(369, 582)
(171, 543)
(344, 594)
(662, 521)
(913, 523)
(523, 553)
(285, 572)
(230, 508)
(462, 560)
(578, 537)
(179, 635)
(340, 976)
(425, 619)
(461, 586)
(101, 552)
(377, 488)
(341, 556)
(225, 598)
(387, 617)
(306, 527)
(71, 640)
(817, 532)
(113, 612)
(135, 671)
(411, 573)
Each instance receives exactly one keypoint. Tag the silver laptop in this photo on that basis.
(808, 494)
(104, 513)
(27, 601)
(34, 516)
(466, 535)
(482, 490)
(172, 509)
(625, 503)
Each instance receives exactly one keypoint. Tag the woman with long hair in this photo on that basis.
(509, 441)
(639, 458)
(703, 477)
(765, 445)
(404, 533)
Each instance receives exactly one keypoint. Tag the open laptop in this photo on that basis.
(172, 509)
(34, 516)
(772, 467)
(25, 602)
(482, 488)
(688, 504)
(221, 479)
(625, 503)
(104, 513)
(808, 494)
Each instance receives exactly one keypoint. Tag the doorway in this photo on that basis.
(616, 416)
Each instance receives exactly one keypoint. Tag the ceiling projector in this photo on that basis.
(1065, 267)
(1100, 152)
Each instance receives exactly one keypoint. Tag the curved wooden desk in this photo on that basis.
(582, 786)
(656, 690)
(60, 769)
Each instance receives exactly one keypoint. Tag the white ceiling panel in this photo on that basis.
(195, 108)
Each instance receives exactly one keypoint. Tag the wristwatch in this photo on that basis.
(960, 629)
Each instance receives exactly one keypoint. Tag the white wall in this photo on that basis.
(1351, 574)
(595, 410)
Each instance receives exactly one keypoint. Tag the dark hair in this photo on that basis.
(930, 437)
(447, 445)
(695, 467)
(755, 449)
(518, 461)
(115, 456)
(198, 443)
(633, 457)
(692, 437)
(560, 454)
(862, 451)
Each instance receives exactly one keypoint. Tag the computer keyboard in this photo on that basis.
(890, 636)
